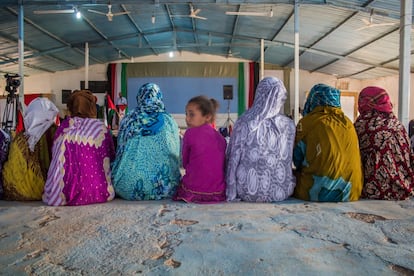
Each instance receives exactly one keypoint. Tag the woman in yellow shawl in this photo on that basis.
(25, 171)
(326, 152)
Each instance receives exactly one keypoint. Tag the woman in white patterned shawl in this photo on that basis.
(259, 156)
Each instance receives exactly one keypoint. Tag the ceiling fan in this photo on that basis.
(193, 14)
(109, 14)
(231, 54)
(251, 13)
(369, 23)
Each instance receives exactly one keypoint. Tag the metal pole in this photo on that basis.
(405, 60)
(261, 59)
(21, 49)
(296, 105)
(86, 65)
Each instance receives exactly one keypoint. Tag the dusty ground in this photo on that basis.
(172, 238)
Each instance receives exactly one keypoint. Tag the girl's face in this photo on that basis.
(193, 116)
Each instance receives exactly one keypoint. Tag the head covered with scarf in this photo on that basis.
(38, 117)
(374, 98)
(146, 119)
(322, 95)
(269, 99)
(82, 103)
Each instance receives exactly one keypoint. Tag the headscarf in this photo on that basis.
(322, 95)
(82, 103)
(146, 119)
(38, 117)
(269, 99)
(373, 97)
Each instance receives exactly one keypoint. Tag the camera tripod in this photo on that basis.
(10, 112)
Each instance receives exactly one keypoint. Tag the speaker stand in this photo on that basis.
(229, 122)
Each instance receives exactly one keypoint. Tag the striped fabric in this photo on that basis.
(79, 172)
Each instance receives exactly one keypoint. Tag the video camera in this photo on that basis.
(12, 82)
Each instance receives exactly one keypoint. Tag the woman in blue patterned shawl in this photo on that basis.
(147, 156)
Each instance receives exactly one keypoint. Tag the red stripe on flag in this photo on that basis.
(111, 104)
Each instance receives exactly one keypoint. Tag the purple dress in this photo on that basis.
(203, 160)
(79, 173)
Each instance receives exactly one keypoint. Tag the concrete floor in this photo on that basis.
(292, 237)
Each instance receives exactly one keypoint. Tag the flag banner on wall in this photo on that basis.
(251, 83)
(241, 98)
(116, 74)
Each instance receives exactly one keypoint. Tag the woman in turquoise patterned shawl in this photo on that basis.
(147, 156)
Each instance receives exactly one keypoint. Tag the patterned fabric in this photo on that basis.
(148, 152)
(146, 119)
(25, 171)
(4, 151)
(385, 149)
(326, 152)
(322, 95)
(79, 172)
(259, 156)
(82, 103)
(203, 160)
(38, 117)
(373, 97)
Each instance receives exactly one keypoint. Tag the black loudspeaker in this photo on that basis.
(228, 92)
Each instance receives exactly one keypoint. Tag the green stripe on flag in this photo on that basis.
(241, 101)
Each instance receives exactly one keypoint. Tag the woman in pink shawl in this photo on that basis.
(385, 148)
(79, 173)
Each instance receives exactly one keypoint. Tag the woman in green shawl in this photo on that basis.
(326, 152)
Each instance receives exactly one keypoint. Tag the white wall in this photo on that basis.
(391, 84)
(55, 82)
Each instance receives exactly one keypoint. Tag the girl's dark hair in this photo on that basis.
(207, 106)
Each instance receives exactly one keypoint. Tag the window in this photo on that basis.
(96, 86)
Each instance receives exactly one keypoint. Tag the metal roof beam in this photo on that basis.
(101, 34)
(31, 48)
(355, 49)
(139, 30)
(278, 31)
(236, 22)
(332, 30)
(372, 67)
(333, 55)
(49, 33)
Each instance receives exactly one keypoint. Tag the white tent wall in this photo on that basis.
(54, 83)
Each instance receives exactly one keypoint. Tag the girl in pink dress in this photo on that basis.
(203, 155)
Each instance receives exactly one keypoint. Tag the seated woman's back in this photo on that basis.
(259, 155)
(83, 148)
(25, 171)
(147, 157)
(326, 152)
(385, 148)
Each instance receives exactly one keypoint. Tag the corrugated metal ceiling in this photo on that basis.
(331, 40)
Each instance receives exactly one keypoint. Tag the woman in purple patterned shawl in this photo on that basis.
(259, 156)
(79, 173)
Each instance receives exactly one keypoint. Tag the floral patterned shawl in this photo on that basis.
(385, 148)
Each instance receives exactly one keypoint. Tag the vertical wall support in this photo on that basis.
(21, 51)
(261, 59)
(296, 105)
(86, 65)
(405, 60)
